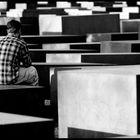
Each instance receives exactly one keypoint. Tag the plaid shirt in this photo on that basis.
(13, 52)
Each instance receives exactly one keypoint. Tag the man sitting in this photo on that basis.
(15, 62)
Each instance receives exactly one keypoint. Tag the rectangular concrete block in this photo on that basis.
(17, 126)
(98, 37)
(112, 58)
(120, 46)
(63, 58)
(78, 24)
(50, 23)
(111, 46)
(58, 46)
(101, 100)
(130, 25)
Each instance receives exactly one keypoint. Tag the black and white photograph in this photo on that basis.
(69, 69)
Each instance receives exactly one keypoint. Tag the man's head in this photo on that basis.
(14, 27)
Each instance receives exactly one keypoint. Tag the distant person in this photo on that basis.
(15, 62)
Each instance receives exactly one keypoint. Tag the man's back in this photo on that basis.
(11, 49)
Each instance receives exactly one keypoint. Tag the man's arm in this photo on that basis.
(25, 56)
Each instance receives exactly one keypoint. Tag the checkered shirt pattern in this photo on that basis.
(13, 53)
